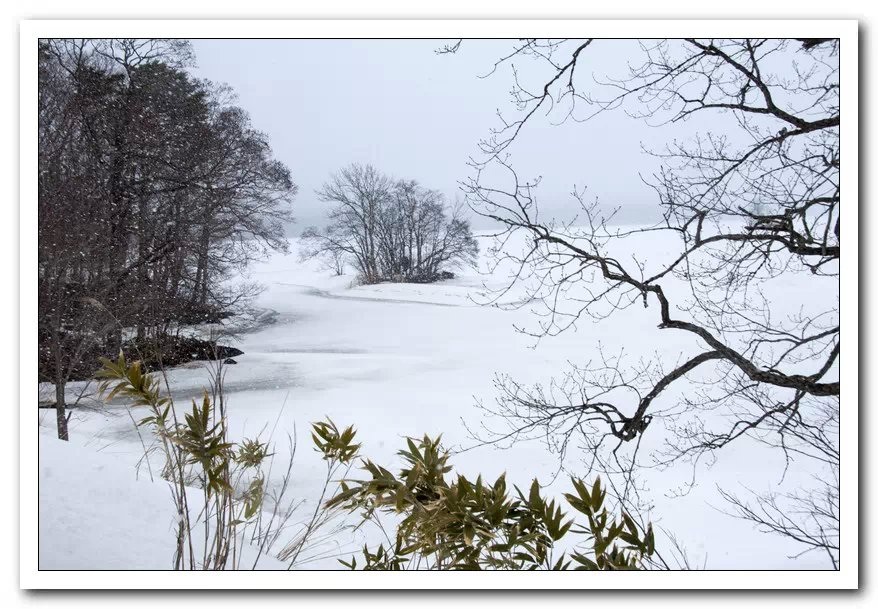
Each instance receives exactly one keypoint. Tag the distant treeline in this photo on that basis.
(153, 188)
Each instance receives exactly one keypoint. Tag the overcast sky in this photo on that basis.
(415, 114)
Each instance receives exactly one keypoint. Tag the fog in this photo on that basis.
(414, 113)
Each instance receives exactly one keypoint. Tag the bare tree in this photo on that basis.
(357, 193)
(750, 204)
(389, 230)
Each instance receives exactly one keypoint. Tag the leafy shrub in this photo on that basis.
(197, 452)
(451, 522)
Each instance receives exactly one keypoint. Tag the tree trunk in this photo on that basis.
(60, 409)
(199, 295)
(143, 289)
(59, 372)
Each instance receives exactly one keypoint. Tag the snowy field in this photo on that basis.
(393, 360)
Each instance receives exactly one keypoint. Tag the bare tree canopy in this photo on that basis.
(153, 188)
(749, 202)
(389, 230)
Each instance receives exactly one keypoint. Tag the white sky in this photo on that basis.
(415, 114)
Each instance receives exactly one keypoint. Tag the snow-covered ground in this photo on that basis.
(393, 360)
(94, 514)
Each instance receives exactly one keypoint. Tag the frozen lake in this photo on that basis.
(403, 360)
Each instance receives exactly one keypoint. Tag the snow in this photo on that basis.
(393, 360)
(95, 514)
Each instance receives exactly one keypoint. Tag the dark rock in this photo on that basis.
(154, 353)
(223, 352)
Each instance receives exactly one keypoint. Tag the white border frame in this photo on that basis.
(30, 577)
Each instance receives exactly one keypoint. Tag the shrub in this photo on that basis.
(197, 452)
(450, 522)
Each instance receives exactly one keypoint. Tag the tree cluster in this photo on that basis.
(389, 230)
(153, 187)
